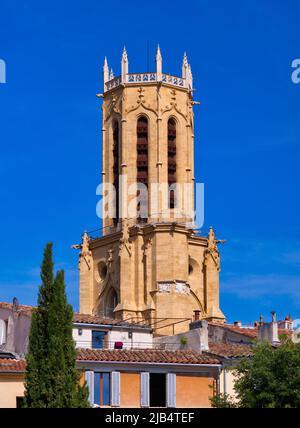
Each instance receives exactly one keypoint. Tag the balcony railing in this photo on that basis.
(144, 78)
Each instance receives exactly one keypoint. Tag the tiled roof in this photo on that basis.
(145, 356)
(12, 366)
(251, 332)
(27, 310)
(94, 319)
(229, 350)
(246, 331)
(77, 318)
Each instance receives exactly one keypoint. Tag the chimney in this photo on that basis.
(268, 331)
(237, 324)
(15, 305)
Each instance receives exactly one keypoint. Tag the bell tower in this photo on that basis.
(148, 262)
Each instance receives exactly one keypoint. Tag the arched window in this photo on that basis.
(116, 164)
(171, 157)
(142, 153)
(111, 303)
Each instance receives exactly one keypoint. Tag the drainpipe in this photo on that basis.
(224, 380)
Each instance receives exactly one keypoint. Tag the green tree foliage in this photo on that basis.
(270, 379)
(52, 379)
(223, 401)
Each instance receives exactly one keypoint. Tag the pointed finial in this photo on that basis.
(185, 60)
(124, 65)
(124, 55)
(185, 68)
(158, 52)
(111, 75)
(105, 71)
(158, 64)
(190, 77)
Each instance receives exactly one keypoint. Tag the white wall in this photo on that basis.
(139, 339)
(85, 340)
(227, 380)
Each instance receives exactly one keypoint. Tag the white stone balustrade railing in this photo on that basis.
(142, 78)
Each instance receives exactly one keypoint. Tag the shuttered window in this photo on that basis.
(115, 389)
(89, 378)
(171, 390)
(145, 390)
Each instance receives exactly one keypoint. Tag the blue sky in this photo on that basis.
(247, 133)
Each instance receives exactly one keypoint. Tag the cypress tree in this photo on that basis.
(52, 379)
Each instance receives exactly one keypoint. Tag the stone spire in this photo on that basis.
(190, 77)
(111, 74)
(158, 64)
(105, 71)
(124, 65)
(185, 66)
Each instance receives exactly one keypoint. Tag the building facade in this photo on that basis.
(149, 262)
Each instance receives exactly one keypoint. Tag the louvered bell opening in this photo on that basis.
(171, 157)
(142, 176)
(116, 162)
(142, 150)
(142, 145)
(142, 160)
(142, 127)
(171, 146)
(171, 178)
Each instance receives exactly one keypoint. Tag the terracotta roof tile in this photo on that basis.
(27, 310)
(12, 366)
(229, 350)
(94, 319)
(145, 356)
(78, 318)
(246, 331)
(251, 332)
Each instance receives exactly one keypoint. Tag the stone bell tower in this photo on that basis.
(149, 263)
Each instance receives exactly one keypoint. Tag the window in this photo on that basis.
(157, 390)
(116, 167)
(102, 270)
(142, 159)
(3, 331)
(102, 388)
(171, 157)
(98, 339)
(111, 302)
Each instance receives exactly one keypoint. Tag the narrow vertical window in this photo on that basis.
(102, 389)
(116, 164)
(142, 154)
(171, 157)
